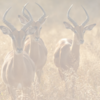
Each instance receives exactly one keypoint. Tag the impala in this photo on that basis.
(67, 52)
(18, 69)
(34, 45)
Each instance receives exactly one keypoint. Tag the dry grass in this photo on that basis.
(87, 85)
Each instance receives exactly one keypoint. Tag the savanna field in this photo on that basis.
(52, 87)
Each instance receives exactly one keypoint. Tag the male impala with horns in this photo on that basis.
(18, 69)
(34, 45)
(67, 52)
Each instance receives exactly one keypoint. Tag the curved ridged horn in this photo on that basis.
(6, 22)
(87, 19)
(31, 19)
(70, 19)
(26, 16)
(44, 15)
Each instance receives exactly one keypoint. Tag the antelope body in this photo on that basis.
(18, 69)
(34, 45)
(67, 52)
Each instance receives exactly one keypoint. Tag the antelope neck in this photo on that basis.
(75, 48)
(34, 49)
(18, 61)
(18, 56)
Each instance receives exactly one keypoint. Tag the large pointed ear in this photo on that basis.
(5, 30)
(90, 27)
(30, 31)
(68, 26)
(22, 19)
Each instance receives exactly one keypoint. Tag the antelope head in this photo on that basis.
(18, 37)
(78, 30)
(35, 26)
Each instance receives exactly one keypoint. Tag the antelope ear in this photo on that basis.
(90, 27)
(30, 31)
(5, 30)
(68, 26)
(22, 19)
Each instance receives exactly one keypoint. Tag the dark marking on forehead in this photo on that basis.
(81, 31)
(18, 38)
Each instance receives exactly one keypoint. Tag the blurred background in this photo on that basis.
(52, 87)
(55, 9)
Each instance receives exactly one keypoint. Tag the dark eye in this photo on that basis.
(12, 37)
(75, 31)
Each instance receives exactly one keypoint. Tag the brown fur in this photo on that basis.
(18, 69)
(38, 54)
(67, 53)
(36, 49)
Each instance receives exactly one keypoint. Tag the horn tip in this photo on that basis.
(82, 6)
(9, 8)
(70, 8)
(25, 4)
(36, 3)
(71, 5)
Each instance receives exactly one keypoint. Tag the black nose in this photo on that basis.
(81, 41)
(19, 50)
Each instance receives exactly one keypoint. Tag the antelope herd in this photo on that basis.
(29, 53)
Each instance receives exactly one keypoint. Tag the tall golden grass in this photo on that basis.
(87, 85)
